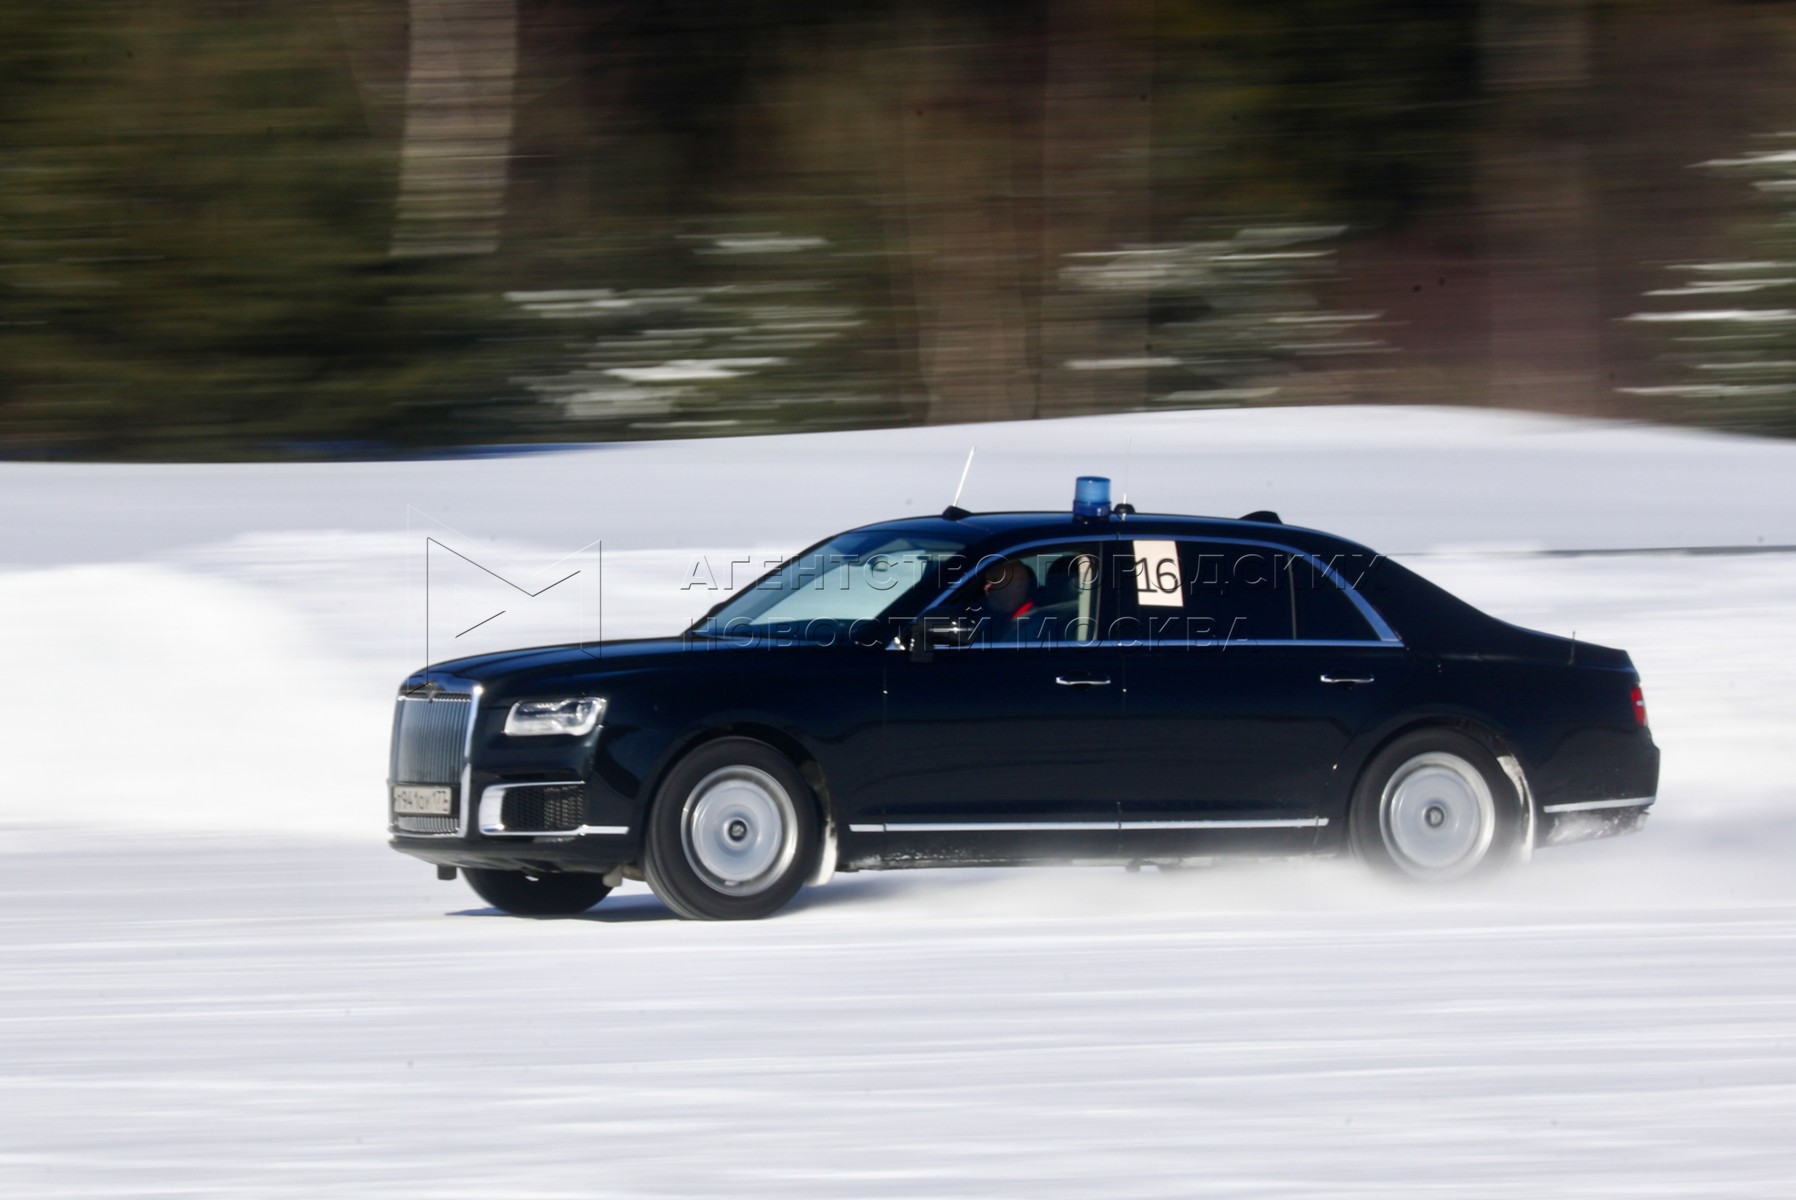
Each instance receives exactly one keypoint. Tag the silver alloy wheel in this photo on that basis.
(739, 830)
(1437, 816)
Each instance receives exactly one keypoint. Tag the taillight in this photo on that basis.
(1639, 698)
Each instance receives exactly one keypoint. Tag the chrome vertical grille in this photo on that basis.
(429, 734)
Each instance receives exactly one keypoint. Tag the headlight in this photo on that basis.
(573, 715)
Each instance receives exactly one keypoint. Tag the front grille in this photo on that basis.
(551, 808)
(411, 824)
(429, 736)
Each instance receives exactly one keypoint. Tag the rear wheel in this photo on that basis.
(733, 834)
(1435, 806)
(550, 895)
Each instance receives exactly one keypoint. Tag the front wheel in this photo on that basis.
(733, 833)
(550, 895)
(1435, 806)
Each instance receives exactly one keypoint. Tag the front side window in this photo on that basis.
(836, 590)
(1043, 596)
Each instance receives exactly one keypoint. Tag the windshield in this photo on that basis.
(837, 589)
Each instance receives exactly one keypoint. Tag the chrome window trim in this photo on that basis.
(1592, 805)
(1385, 635)
(492, 808)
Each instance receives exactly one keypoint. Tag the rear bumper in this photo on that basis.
(1582, 820)
(1598, 782)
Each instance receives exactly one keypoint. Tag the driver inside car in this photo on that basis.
(1006, 599)
(1009, 588)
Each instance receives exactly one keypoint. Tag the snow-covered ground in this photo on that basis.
(217, 981)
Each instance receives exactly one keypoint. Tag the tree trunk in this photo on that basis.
(1096, 154)
(1021, 148)
(1545, 302)
(966, 254)
(458, 120)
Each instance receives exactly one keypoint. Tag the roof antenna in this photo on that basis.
(1125, 509)
(954, 511)
(1571, 660)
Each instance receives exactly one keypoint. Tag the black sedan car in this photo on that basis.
(1007, 688)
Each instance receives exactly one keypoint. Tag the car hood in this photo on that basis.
(510, 671)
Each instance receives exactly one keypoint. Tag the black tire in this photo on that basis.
(1435, 806)
(733, 834)
(561, 894)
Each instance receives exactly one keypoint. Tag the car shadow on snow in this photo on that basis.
(645, 906)
(616, 910)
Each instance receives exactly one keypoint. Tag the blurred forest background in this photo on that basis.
(246, 229)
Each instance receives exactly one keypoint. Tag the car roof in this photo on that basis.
(1011, 527)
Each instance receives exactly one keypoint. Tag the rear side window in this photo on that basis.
(1176, 589)
(1325, 613)
(1198, 591)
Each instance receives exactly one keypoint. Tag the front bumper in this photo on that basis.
(512, 803)
(588, 853)
(521, 825)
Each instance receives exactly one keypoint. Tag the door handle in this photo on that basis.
(1082, 680)
(1349, 680)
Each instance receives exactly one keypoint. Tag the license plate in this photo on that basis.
(426, 801)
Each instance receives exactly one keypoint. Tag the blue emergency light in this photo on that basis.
(1091, 496)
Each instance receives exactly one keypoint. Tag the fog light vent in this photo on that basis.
(407, 823)
(551, 808)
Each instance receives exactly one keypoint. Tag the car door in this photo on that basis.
(1249, 670)
(1000, 750)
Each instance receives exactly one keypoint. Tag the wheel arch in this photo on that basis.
(1487, 735)
(782, 743)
